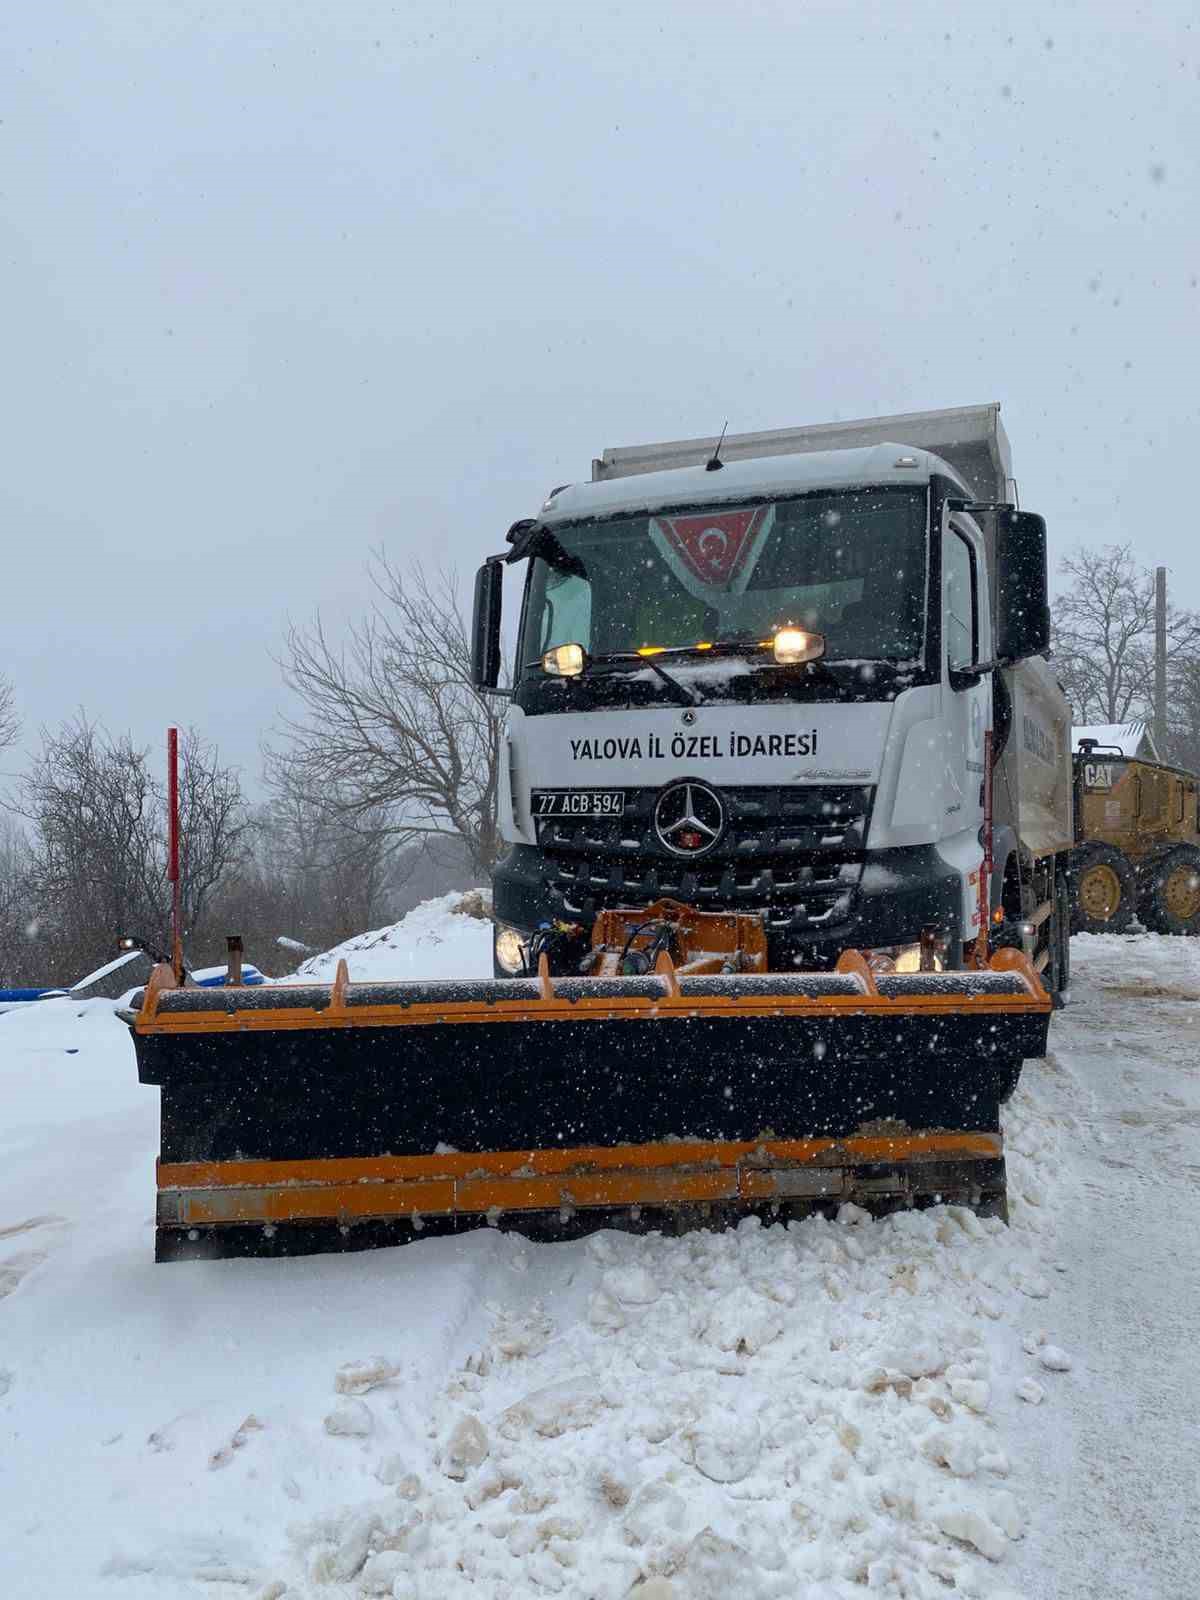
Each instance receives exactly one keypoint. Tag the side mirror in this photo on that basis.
(1022, 590)
(485, 629)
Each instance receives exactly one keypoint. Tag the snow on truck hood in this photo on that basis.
(761, 475)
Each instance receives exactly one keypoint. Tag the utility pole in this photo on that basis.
(1160, 661)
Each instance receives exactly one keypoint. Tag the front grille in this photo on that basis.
(794, 852)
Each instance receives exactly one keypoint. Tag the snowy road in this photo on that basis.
(770, 1413)
(1116, 1464)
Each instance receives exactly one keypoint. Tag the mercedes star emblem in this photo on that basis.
(689, 819)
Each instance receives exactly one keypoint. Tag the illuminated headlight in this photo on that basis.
(791, 646)
(510, 950)
(908, 959)
(564, 661)
(901, 958)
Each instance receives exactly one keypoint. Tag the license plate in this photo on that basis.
(578, 802)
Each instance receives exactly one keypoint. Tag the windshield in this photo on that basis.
(849, 565)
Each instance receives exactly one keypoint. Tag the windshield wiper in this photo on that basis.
(684, 695)
(634, 658)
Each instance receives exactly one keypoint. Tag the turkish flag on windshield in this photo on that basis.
(717, 547)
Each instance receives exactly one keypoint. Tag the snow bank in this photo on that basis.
(774, 1411)
(813, 1410)
(442, 938)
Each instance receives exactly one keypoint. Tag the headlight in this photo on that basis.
(792, 646)
(564, 661)
(903, 958)
(510, 950)
(908, 959)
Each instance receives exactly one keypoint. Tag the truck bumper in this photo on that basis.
(897, 894)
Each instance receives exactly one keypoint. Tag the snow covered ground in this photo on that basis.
(435, 940)
(924, 1406)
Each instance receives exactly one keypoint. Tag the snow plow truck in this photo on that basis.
(786, 794)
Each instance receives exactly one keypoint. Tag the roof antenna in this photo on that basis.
(714, 462)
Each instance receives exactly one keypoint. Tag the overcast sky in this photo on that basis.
(283, 282)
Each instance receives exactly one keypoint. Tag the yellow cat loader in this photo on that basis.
(1138, 849)
(786, 796)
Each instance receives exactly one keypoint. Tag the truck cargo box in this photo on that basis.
(970, 438)
(1032, 783)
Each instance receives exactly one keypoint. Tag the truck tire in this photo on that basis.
(1170, 897)
(1059, 969)
(1103, 890)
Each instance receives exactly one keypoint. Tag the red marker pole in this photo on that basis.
(173, 849)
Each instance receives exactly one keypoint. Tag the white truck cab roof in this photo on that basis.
(749, 477)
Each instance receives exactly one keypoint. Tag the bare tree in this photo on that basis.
(97, 811)
(10, 724)
(1104, 634)
(94, 870)
(339, 876)
(299, 874)
(1183, 712)
(18, 929)
(393, 738)
(212, 824)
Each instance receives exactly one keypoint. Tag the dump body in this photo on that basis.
(1034, 773)
(970, 438)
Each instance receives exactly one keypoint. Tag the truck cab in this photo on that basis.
(767, 683)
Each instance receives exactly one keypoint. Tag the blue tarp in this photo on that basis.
(207, 978)
(214, 977)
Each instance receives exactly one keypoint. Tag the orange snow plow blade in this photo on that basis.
(201, 1194)
(315, 1117)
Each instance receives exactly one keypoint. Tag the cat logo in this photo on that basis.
(1097, 775)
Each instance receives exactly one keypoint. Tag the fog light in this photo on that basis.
(564, 661)
(908, 959)
(510, 950)
(795, 645)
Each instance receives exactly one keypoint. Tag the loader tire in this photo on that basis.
(1103, 890)
(1170, 897)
